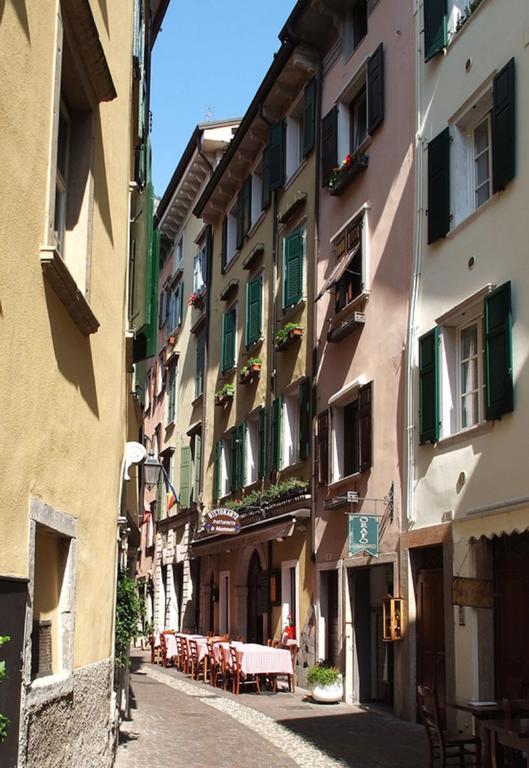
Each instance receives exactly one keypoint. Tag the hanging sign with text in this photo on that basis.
(222, 520)
(363, 535)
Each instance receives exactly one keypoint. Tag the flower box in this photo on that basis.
(196, 300)
(248, 374)
(287, 336)
(350, 168)
(224, 395)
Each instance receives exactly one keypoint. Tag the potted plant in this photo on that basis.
(251, 368)
(326, 683)
(224, 395)
(195, 300)
(290, 629)
(288, 333)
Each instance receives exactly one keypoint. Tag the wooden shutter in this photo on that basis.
(499, 394)
(262, 456)
(241, 454)
(276, 148)
(365, 427)
(439, 186)
(216, 470)
(435, 27)
(277, 407)
(240, 217)
(199, 373)
(265, 191)
(197, 468)
(234, 463)
(228, 340)
(185, 476)
(224, 243)
(375, 89)
(293, 269)
(351, 439)
(309, 116)
(247, 205)
(323, 448)
(304, 419)
(329, 144)
(429, 387)
(503, 127)
(254, 310)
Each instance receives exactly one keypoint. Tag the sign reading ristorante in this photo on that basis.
(222, 520)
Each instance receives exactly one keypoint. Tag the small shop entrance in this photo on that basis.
(254, 605)
(329, 628)
(374, 658)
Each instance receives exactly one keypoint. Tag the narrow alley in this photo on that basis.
(188, 723)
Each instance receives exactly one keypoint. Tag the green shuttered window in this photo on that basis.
(439, 186)
(277, 412)
(498, 353)
(503, 127)
(254, 310)
(229, 321)
(238, 456)
(429, 387)
(309, 116)
(276, 158)
(200, 359)
(217, 491)
(375, 89)
(171, 391)
(224, 243)
(329, 144)
(435, 27)
(304, 419)
(293, 269)
(197, 468)
(262, 456)
(185, 476)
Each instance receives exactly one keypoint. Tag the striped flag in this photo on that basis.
(172, 497)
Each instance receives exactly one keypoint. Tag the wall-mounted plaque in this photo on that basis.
(476, 593)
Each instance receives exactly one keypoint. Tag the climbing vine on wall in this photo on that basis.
(4, 721)
(130, 613)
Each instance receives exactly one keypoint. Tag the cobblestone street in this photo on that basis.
(178, 722)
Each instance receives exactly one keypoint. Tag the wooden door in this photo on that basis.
(12, 620)
(511, 615)
(254, 604)
(431, 669)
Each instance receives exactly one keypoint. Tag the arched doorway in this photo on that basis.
(254, 610)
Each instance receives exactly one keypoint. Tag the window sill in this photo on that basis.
(466, 434)
(198, 399)
(45, 689)
(471, 217)
(336, 484)
(291, 312)
(345, 321)
(456, 34)
(59, 278)
(292, 206)
(256, 224)
(226, 268)
(301, 167)
(170, 425)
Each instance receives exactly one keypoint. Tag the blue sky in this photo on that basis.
(209, 57)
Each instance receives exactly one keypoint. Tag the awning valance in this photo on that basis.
(489, 522)
(338, 271)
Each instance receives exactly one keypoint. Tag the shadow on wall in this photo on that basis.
(72, 350)
(19, 7)
(104, 13)
(101, 194)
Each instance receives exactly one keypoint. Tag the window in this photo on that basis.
(244, 211)
(349, 284)
(171, 394)
(197, 467)
(465, 366)
(291, 426)
(294, 139)
(358, 118)
(293, 268)
(176, 308)
(254, 310)
(147, 392)
(185, 476)
(164, 307)
(472, 158)
(442, 20)
(61, 182)
(229, 326)
(256, 195)
(179, 254)
(198, 270)
(223, 467)
(159, 375)
(355, 26)
(290, 430)
(351, 432)
(200, 360)
(251, 473)
(229, 237)
(289, 594)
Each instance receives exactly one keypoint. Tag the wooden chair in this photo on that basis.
(238, 676)
(293, 655)
(445, 748)
(194, 663)
(155, 650)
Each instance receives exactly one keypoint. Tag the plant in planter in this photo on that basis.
(224, 395)
(195, 300)
(251, 368)
(290, 630)
(288, 333)
(326, 683)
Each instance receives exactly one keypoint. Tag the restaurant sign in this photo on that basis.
(363, 534)
(222, 520)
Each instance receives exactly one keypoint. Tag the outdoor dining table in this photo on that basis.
(260, 659)
(501, 732)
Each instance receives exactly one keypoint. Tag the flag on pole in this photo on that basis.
(172, 496)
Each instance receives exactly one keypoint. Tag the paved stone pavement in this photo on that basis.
(176, 721)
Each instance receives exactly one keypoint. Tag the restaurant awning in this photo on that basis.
(338, 271)
(494, 520)
(279, 527)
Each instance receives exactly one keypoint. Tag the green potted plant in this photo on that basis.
(224, 395)
(251, 368)
(326, 683)
(288, 333)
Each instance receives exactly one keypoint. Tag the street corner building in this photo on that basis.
(73, 125)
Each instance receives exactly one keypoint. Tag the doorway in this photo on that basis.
(429, 594)
(13, 593)
(254, 602)
(329, 634)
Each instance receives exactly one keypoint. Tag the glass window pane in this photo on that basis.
(469, 342)
(469, 410)
(482, 194)
(481, 136)
(482, 169)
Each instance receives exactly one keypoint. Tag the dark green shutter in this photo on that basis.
(228, 340)
(304, 419)
(262, 458)
(435, 27)
(293, 269)
(309, 116)
(216, 470)
(365, 427)
(277, 407)
(254, 310)
(224, 243)
(439, 186)
(429, 405)
(234, 462)
(276, 147)
(185, 476)
(499, 396)
(503, 127)
(375, 89)
(329, 144)
(171, 386)
(247, 204)
(199, 373)
(241, 454)
(141, 165)
(240, 218)
(265, 192)
(197, 468)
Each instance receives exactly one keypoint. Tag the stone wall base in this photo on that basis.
(67, 722)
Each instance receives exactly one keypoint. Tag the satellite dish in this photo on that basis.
(134, 453)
